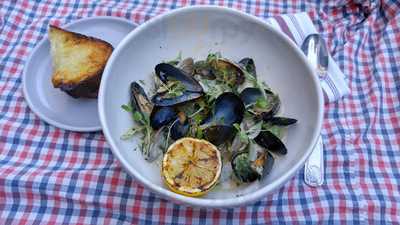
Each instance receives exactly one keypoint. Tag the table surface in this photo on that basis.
(50, 175)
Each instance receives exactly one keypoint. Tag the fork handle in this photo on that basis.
(314, 167)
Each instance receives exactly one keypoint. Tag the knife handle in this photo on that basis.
(314, 167)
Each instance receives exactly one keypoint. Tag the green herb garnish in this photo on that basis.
(173, 88)
(142, 127)
(276, 130)
(127, 108)
(261, 102)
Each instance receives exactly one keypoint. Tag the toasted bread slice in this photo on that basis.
(78, 62)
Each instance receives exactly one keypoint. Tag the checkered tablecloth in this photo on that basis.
(52, 176)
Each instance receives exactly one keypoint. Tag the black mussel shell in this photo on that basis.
(268, 92)
(161, 116)
(160, 99)
(167, 72)
(228, 109)
(248, 65)
(250, 96)
(282, 121)
(219, 134)
(180, 127)
(271, 142)
(269, 163)
(139, 100)
(241, 167)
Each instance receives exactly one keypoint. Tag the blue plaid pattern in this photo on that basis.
(52, 176)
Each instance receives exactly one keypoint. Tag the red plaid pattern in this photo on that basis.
(48, 175)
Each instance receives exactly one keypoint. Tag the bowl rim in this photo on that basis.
(201, 202)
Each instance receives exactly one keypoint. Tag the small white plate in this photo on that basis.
(53, 105)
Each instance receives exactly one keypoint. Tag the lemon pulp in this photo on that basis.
(191, 167)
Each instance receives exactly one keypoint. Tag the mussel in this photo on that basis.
(251, 165)
(180, 127)
(269, 163)
(227, 71)
(241, 167)
(189, 89)
(271, 142)
(250, 97)
(282, 121)
(219, 134)
(257, 157)
(139, 100)
(167, 72)
(228, 110)
(162, 100)
(161, 116)
(204, 70)
(249, 65)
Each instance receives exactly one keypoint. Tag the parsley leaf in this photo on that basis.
(127, 108)
(261, 102)
(138, 117)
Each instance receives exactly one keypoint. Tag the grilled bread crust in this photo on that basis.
(78, 62)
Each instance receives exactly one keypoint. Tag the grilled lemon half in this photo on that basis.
(191, 167)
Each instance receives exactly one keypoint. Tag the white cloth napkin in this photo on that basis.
(297, 27)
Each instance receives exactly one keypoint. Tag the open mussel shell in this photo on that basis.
(228, 109)
(269, 163)
(282, 121)
(180, 127)
(271, 142)
(167, 72)
(160, 99)
(139, 100)
(257, 157)
(261, 161)
(250, 96)
(248, 167)
(248, 65)
(204, 70)
(235, 75)
(242, 169)
(219, 134)
(161, 116)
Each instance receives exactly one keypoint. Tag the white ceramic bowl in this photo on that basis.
(196, 31)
